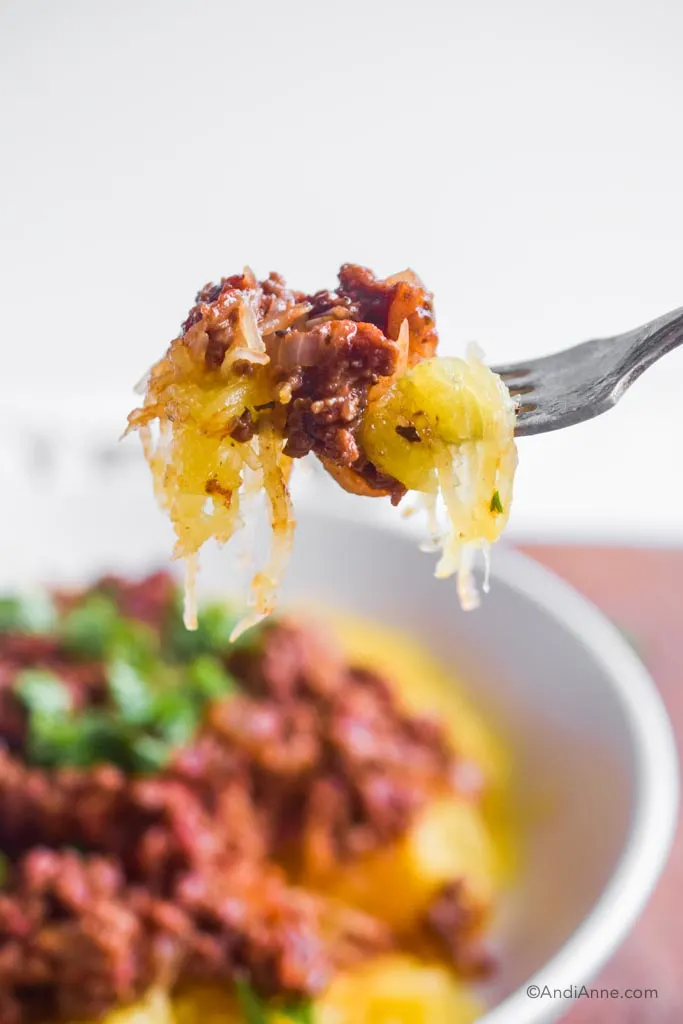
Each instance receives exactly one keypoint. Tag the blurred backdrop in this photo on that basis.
(525, 158)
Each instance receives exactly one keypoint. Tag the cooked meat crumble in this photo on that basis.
(329, 398)
(139, 852)
(455, 919)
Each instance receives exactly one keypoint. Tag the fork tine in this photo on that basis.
(530, 419)
(512, 371)
(520, 381)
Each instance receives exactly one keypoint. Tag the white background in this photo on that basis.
(526, 158)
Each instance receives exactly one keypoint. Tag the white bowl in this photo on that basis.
(589, 734)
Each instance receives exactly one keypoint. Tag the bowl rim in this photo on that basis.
(655, 813)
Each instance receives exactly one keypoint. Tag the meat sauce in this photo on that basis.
(166, 800)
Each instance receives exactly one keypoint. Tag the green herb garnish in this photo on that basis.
(89, 629)
(93, 737)
(43, 692)
(258, 1011)
(48, 702)
(30, 613)
(496, 505)
(135, 642)
(175, 715)
(209, 679)
(302, 1013)
(251, 1004)
(215, 623)
(147, 718)
(130, 693)
(95, 630)
(148, 754)
(158, 684)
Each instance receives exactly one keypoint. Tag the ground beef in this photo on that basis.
(370, 296)
(334, 305)
(157, 826)
(189, 894)
(352, 330)
(76, 937)
(330, 730)
(66, 919)
(388, 303)
(116, 882)
(329, 399)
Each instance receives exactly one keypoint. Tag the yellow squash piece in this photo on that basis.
(446, 428)
(437, 405)
(449, 842)
(397, 990)
(210, 1004)
(155, 1008)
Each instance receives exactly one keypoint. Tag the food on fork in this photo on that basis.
(271, 831)
(261, 375)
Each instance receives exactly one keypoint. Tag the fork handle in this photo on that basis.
(579, 383)
(644, 346)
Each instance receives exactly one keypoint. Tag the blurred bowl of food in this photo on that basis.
(594, 772)
(562, 765)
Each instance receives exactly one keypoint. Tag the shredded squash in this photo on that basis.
(202, 475)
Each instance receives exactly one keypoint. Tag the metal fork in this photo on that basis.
(581, 382)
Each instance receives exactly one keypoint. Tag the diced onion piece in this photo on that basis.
(281, 321)
(247, 355)
(250, 279)
(406, 276)
(250, 330)
(297, 348)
